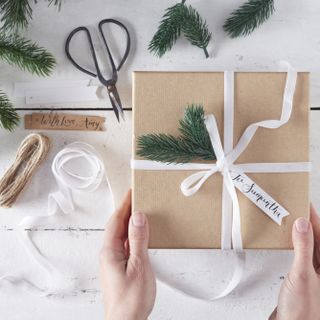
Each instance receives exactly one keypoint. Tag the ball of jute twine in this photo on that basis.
(32, 151)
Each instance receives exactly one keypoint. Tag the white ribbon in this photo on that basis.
(225, 164)
(59, 202)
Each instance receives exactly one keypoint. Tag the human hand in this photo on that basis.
(299, 297)
(128, 281)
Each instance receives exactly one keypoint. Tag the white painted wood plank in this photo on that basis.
(76, 254)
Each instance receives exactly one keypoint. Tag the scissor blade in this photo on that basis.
(116, 104)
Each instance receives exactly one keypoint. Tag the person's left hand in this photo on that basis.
(128, 281)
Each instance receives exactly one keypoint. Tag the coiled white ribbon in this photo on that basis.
(231, 224)
(60, 202)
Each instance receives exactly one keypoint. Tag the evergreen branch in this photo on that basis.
(15, 14)
(248, 17)
(176, 19)
(26, 55)
(194, 132)
(9, 117)
(164, 148)
(168, 31)
(193, 143)
(195, 29)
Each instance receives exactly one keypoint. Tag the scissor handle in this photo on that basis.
(93, 53)
(128, 41)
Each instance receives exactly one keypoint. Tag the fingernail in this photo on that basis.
(138, 219)
(302, 225)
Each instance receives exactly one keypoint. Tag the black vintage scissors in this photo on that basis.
(110, 84)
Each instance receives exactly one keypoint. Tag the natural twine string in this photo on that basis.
(31, 153)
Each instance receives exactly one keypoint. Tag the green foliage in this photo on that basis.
(248, 17)
(16, 14)
(9, 117)
(192, 144)
(196, 30)
(26, 55)
(180, 19)
(168, 32)
(20, 52)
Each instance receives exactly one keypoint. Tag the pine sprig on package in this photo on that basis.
(192, 144)
(178, 19)
(9, 117)
(26, 55)
(248, 17)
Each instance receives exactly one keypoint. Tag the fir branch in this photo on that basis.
(168, 31)
(9, 117)
(177, 19)
(15, 14)
(163, 147)
(194, 132)
(26, 55)
(193, 143)
(248, 17)
(196, 30)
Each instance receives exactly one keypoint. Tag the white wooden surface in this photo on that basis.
(292, 34)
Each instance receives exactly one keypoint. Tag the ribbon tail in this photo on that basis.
(240, 259)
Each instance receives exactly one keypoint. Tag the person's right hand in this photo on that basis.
(299, 297)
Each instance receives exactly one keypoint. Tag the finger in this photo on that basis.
(302, 237)
(273, 315)
(315, 221)
(138, 236)
(116, 232)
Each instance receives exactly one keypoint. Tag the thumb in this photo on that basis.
(302, 237)
(138, 236)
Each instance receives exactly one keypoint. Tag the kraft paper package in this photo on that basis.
(177, 221)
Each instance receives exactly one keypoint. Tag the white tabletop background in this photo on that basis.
(292, 34)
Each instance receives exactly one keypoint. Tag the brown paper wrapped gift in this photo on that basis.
(176, 221)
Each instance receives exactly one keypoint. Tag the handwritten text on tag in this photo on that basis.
(259, 197)
(57, 121)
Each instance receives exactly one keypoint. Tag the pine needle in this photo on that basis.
(193, 143)
(196, 30)
(248, 17)
(168, 31)
(9, 117)
(15, 14)
(177, 19)
(26, 55)
(56, 3)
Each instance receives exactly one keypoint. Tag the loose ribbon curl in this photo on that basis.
(60, 202)
(225, 164)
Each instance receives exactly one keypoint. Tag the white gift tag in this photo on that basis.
(259, 197)
(21, 88)
(61, 95)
